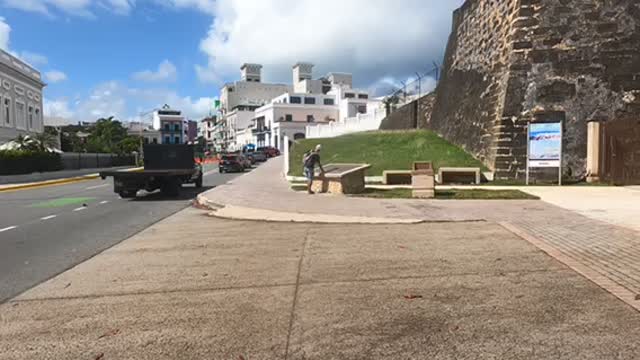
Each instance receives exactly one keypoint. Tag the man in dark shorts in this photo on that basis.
(310, 161)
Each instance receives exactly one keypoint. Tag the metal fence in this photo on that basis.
(407, 91)
(75, 161)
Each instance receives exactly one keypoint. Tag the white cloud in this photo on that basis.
(55, 76)
(370, 38)
(83, 8)
(33, 58)
(57, 108)
(166, 72)
(113, 98)
(5, 30)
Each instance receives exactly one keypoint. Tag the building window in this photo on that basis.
(20, 116)
(329, 102)
(30, 117)
(176, 127)
(7, 110)
(310, 118)
(309, 100)
(154, 141)
(288, 117)
(167, 140)
(146, 140)
(176, 140)
(38, 119)
(349, 95)
(362, 109)
(295, 100)
(363, 96)
(166, 127)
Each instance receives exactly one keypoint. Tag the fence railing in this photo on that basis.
(359, 123)
(75, 161)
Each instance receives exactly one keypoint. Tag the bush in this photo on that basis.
(14, 162)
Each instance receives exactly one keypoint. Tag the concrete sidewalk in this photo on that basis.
(196, 287)
(596, 247)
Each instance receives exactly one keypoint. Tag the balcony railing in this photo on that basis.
(261, 130)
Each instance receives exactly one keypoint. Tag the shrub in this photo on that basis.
(13, 162)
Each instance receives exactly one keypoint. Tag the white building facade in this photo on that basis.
(20, 98)
(171, 125)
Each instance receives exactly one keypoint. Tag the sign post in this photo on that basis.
(544, 147)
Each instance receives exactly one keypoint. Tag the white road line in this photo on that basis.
(79, 209)
(97, 186)
(48, 217)
(8, 228)
(104, 202)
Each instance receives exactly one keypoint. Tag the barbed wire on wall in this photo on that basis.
(423, 83)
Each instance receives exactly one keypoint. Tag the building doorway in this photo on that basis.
(621, 151)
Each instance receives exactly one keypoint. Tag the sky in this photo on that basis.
(124, 58)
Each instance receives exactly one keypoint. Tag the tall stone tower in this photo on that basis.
(512, 62)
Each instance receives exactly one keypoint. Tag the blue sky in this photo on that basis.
(122, 57)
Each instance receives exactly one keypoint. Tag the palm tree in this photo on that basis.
(44, 141)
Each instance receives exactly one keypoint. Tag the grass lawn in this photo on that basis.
(384, 150)
(452, 194)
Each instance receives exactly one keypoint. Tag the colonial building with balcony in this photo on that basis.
(171, 124)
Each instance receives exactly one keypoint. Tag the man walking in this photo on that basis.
(310, 161)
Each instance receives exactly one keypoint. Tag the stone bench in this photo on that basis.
(459, 175)
(396, 177)
(341, 179)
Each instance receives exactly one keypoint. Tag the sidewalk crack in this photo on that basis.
(295, 294)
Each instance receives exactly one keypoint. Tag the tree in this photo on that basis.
(42, 142)
(129, 144)
(106, 135)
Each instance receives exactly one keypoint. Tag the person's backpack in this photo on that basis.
(306, 159)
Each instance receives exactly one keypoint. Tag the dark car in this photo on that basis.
(270, 151)
(231, 163)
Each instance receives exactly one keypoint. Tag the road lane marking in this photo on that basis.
(103, 202)
(48, 217)
(8, 228)
(79, 209)
(97, 186)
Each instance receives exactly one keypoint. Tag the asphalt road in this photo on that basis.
(48, 230)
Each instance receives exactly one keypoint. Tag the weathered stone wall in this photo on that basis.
(578, 61)
(415, 114)
(472, 87)
(510, 62)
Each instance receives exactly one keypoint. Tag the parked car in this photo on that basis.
(231, 163)
(270, 151)
(259, 156)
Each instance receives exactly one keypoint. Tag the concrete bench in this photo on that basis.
(459, 175)
(341, 179)
(396, 177)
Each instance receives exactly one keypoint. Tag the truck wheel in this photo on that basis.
(127, 194)
(198, 181)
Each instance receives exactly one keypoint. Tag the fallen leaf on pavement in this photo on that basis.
(99, 356)
(66, 286)
(402, 247)
(110, 333)
(412, 296)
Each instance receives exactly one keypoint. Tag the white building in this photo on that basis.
(289, 115)
(20, 98)
(239, 99)
(262, 114)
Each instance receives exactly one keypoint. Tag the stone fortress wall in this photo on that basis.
(510, 62)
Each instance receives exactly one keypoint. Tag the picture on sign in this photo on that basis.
(545, 144)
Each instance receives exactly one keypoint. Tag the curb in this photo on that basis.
(230, 212)
(56, 182)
